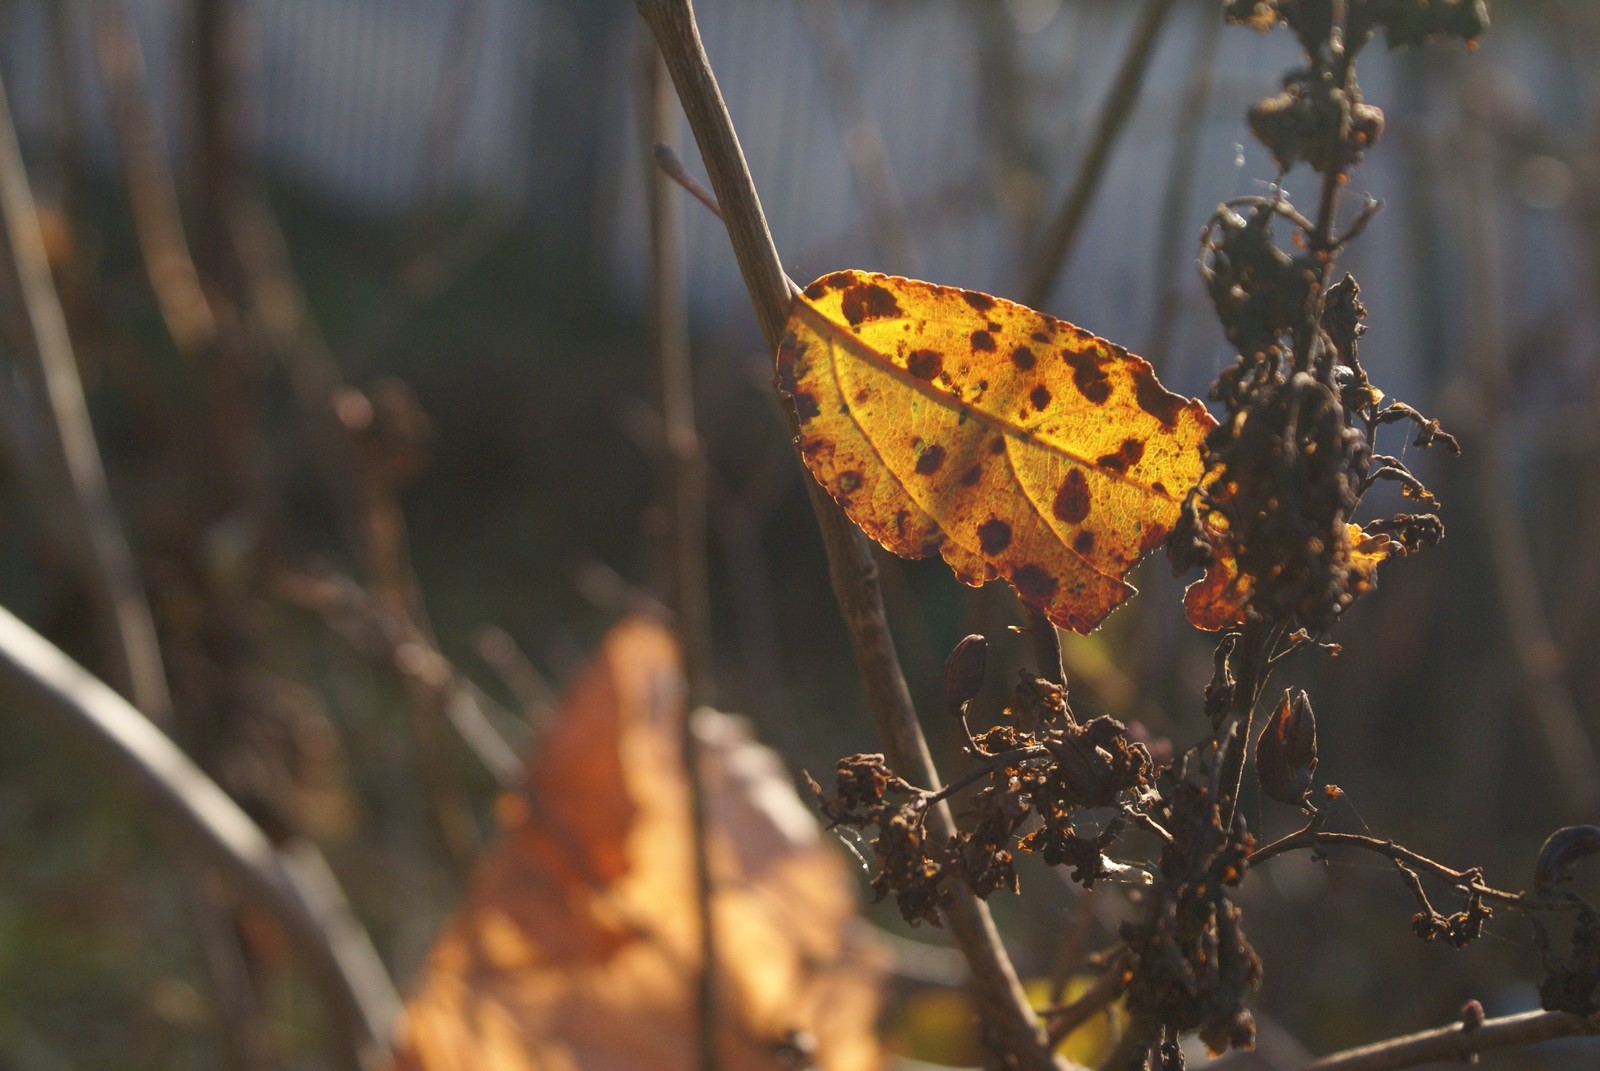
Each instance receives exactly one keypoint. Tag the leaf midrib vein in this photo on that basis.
(861, 350)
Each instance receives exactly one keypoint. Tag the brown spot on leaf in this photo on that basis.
(817, 289)
(982, 340)
(1040, 397)
(980, 301)
(1040, 336)
(998, 446)
(1115, 462)
(1155, 399)
(1159, 488)
(1087, 376)
(994, 536)
(1034, 582)
(925, 364)
(931, 459)
(1023, 358)
(1072, 500)
(868, 301)
(1083, 542)
(1129, 453)
(970, 477)
(850, 480)
(805, 406)
(901, 516)
(862, 395)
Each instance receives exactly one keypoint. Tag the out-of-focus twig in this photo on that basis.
(1062, 232)
(458, 69)
(864, 149)
(126, 626)
(1456, 1043)
(365, 502)
(173, 277)
(1001, 1000)
(291, 884)
(1568, 745)
(685, 471)
(1188, 128)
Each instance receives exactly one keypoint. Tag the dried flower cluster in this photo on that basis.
(1273, 519)
(1083, 782)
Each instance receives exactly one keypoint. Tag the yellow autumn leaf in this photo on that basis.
(1011, 443)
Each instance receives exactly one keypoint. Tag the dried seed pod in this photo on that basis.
(963, 672)
(1561, 851)
(1286, 754)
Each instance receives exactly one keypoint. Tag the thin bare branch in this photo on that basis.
(1001, 1000)
(1173, 231)
(110, 573)
(1456, 1043)
(685, 472)
(1567, 743)
(1311, 836)
(173, 277)
(864, 150)
(293, 885)
(1121, 100)
(671, 166)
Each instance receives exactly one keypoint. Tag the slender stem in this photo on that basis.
(1001, 1000)
(864, 149)
(1512, 559)
(109, 571)
(685, 456)
(173, 277)
(1106, 989)
(1254, 666)
(1174, 235)
(1456, 1043)
(1062, 233)
(1321, 240)
(672, 167)
(989, 765)
(1310, 836)
(686, 477)
(293, 885)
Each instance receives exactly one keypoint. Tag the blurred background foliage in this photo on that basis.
(457, 191)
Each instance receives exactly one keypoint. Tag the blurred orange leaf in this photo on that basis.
(1012, 443)
(577, 945)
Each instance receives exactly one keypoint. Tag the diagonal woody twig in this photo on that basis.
(1001, 1001)
(292, 885)
(1456, 1043)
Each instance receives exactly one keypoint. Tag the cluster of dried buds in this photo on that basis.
(1289, 464)
(1044, 782)
(1285, 472)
